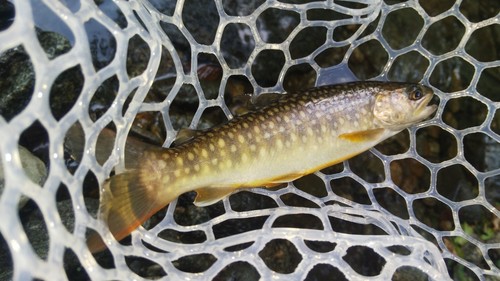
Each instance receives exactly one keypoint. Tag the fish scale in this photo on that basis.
(297, 135)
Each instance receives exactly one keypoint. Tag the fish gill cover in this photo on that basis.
(421, 205)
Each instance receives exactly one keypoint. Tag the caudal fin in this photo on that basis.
(127, 201)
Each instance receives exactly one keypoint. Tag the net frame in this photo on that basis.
(28, 264)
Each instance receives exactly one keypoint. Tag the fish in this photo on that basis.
(298, 134)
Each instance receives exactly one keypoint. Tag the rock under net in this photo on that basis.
(422, 205)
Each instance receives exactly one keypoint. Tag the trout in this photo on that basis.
(299, 134)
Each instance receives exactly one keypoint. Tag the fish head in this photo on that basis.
(403, 106)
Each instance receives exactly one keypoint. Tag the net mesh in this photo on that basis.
(422, 205)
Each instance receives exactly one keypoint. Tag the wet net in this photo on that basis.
(421, 205)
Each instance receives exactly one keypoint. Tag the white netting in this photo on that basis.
(423, 205)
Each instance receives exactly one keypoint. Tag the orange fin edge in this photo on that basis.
(126, 203)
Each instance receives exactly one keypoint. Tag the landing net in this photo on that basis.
(423, 205)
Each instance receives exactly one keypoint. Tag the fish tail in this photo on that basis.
(127, 201)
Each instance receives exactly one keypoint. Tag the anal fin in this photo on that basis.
(210, 195)
(283, 179)
(361, 136)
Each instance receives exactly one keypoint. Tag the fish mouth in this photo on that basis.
(423, 109)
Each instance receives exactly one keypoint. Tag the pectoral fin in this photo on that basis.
(209, 195)
(361, 136)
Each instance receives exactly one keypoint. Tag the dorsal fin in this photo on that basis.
(184, 135)
(265, 99)
(245, 103)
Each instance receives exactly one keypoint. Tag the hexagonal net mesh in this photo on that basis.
(422, 205)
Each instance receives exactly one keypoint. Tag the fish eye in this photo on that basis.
(415, 93)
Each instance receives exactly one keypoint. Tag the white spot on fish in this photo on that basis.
(221, 143)
(279, 144)
(262, 152)
(165, 180)
(244, 157)
(309, 131)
